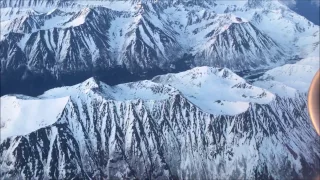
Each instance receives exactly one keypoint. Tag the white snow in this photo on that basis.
(290, 30)
(290, 79)
(117, 31)
(145, 90)
(65, 41)
(23, 115)
(144, 36)
(10, 13)
(119, 5)
(79, 19)
(58, 21)
(211, 89)
(203, 86)
(214, 91)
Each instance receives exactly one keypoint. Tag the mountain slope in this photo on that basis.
(229, 93)
(240, 46)
(290, 79)
(152, 130)
(64, 43)
(15, 109)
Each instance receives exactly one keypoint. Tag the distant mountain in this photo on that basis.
(45, 44)
(289, 79)
(163, 129)
(307, 8)
(155, 89)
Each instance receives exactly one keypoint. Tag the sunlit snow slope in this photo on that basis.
(217, 91)
(190, 122)
(22, 115)
(53, 43)
(198, 124)
(290, 79)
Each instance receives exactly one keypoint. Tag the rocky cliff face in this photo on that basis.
(201, 123)
(158, 131)
(66, 42)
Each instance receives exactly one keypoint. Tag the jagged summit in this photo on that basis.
(193, 123)
(91, 83)
(240, 45)
(227, 91)
(158, 129)
(216, 90)
(69, 39)
(144, 90)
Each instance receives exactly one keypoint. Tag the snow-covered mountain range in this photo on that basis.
(156, 89)
(66, 42)
(203, 123)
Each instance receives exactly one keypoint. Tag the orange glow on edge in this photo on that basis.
(314, 102)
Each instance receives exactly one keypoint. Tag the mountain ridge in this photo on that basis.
(143, 39)
(136, 134)
(116, 91)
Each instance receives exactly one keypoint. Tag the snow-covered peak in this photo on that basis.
(79, 90)
(55, 12)
(91, 83)
(161, 31)
(32, 12)
(145, 90)
(216, 90)
(78, 18)
(310, 61)
(148, 35)
(21, 115)
(91, 88)
(202, 74)
(290, 79)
